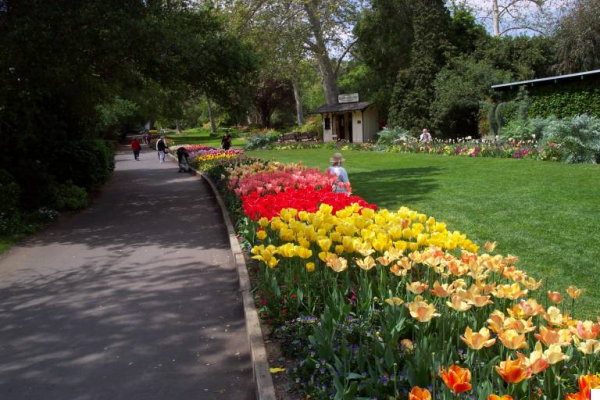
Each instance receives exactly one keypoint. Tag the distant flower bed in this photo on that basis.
(376, 303)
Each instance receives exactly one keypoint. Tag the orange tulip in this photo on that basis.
(496, 321)
(554, 297)
(513, 371)
(574, 396)
(421, 310)
(443, 290)
(547, 336)
(511, 339)
(573, 292)
(586, 384)
(490, 246)
(531, 307)
(496, 397)
(536, 361)
(478, 340)
(457, 379)
(419, 394)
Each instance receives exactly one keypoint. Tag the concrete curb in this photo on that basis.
(260, 364)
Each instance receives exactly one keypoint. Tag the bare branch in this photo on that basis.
(525, 28)
(339, 63)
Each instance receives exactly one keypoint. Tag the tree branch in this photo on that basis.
(339, 63)
(523, 27)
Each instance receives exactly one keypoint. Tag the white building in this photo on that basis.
(356, 122)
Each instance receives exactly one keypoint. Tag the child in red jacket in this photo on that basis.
(136, 147)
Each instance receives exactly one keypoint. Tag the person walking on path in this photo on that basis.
(136, 147)
(226, 141)
(182, 158)
(425, 136)
(161, 147)
(343, 183)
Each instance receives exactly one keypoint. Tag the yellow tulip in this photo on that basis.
(511, 339)
(417, 287)
(590, 346)
(310, 267)
(304, 253)
(367, 263)
(490, 246)
(536, 360)
(261, 235)
(337, 264)
(263, 222)
(394, 301)
(288, 250)
(272, 263)
(554, 316)
(555, 355)
(324, 244)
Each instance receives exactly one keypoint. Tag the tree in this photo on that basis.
(413, 92)
(68, 67)
(509, 16)
(384, 37)
(460, 88)
(577, 38)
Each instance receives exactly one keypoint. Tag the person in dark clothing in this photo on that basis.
(136, 147)
(226, 141)
(182, 158)
(161, 147)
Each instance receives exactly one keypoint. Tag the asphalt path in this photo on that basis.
(134, 298)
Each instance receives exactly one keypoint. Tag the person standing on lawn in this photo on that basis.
(226, 141)
(161, 147)
(343, 183)
(136, 147)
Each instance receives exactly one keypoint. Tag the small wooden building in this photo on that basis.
(356, 122)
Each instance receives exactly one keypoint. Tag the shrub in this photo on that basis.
(261, 141)
(67, 196)
(10, 193)
(86, 163)
(391, 136)
(575, 140)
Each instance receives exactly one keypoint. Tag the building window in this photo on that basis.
(327, 123)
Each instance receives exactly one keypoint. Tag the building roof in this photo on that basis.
(551, 79)
(343, 107)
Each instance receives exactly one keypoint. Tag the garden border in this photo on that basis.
(265, 390)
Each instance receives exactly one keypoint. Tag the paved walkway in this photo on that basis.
(134, 298)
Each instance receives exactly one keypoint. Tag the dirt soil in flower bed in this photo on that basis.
(281, 380)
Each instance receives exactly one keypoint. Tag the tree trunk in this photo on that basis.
(299, 113)
(496, 18)
(213, 125)
(328, 70)
(178, 126)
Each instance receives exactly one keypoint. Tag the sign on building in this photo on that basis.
(348, 98)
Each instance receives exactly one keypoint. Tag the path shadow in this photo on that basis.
(140, 331)
(144, 204)
(395, 187)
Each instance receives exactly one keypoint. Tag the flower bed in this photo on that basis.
(373, 303)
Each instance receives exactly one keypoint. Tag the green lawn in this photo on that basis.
(202, 136)
(548, 214)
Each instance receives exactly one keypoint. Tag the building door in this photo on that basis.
(349, 120)
(341, 127)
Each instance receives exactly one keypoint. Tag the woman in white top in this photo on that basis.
(337, 169)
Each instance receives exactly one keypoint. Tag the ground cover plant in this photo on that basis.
(375, 303)
(545, 213)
